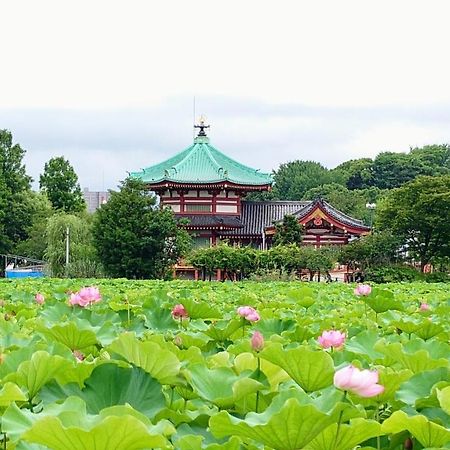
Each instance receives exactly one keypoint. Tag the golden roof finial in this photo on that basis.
(201, 125)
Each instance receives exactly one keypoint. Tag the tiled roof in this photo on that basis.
(212, 221)
(258, 215)
(331, 211)
(202, 163)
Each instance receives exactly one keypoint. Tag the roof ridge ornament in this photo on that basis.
(202, 126)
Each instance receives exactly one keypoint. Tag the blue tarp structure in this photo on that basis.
(18, 273)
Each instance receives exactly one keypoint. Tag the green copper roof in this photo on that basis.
(202, 163)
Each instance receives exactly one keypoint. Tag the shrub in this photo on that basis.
(392, 274)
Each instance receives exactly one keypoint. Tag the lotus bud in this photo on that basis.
(179, 312)
(39, 298)
(257, 341)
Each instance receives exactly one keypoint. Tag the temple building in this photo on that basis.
(206, 187)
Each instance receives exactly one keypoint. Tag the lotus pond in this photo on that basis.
(173, 365)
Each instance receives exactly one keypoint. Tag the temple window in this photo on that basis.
(197, 208)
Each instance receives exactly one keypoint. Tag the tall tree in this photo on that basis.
(355, 174)
(294, 178)
(15, 212)
(134, 239)
(35, 244)
(418, 212)
(60, 183)
(391, 170)
(81, 251)
(288, 231)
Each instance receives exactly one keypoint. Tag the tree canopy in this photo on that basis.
(60, 183)
(15, 207)
(288, 231)
(135, 239)
(418, 212)
(294, 178)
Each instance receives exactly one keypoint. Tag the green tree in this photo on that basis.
(35, 244)
(435, 159)
(15, 210)
(391, 170)
(294, 178)
(60, 183)
(418, 212)
(134, 238)
(288, 231)
(354, 174)
(376, 249)
(81, 250)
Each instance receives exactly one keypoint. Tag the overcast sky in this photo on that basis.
(110, 84)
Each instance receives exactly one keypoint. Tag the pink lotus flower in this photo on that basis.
(331, 338)
(85, 297)
(248, 313)
(362, 289)
(424, 307)
(257, 341)
(90, 294)
(39, 299)
(360, 382)
(179, 312)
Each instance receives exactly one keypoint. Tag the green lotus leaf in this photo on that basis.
(58, 313)
(160, 363)
(16, 422)
(289, 423)
(275, 375)
(428, 329)
(200, 310)
(312, 370)
(9, 393)
(111, 385)
(160, 319)
(300, 333)
(418, 361)
(38, 371)
(244, 387)
(420, 385)
(429, 434)
(14, 359)
(443, 396)
(199, 340)
(349, 436)
(391, 380)
(194, 442)
(220, 386)
(381, 300)
(304, 296)
(269, 327)
(408, 326)
(363, 343)
(103, 325)
(223, 329)
(112, 433)
(71, 336)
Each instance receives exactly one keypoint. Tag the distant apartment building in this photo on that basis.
(94, 199)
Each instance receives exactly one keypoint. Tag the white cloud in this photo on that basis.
(109, 84)
(107, 54)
